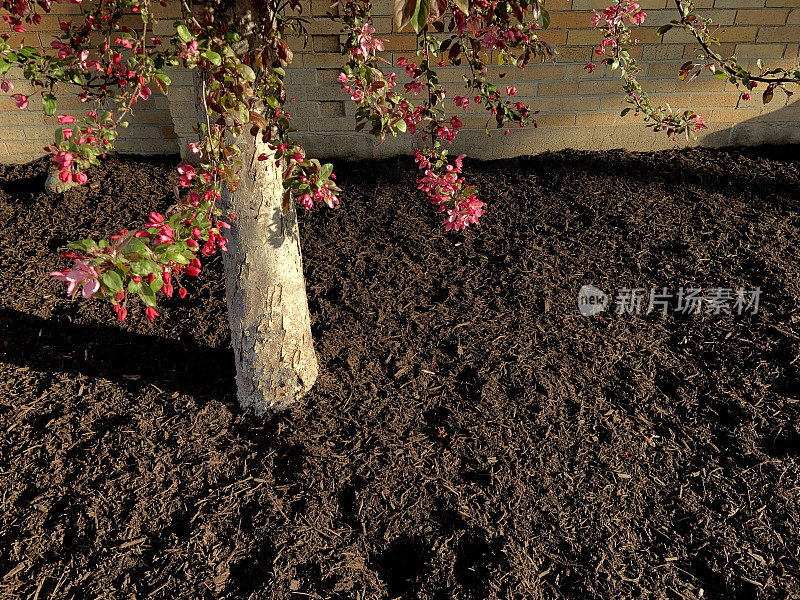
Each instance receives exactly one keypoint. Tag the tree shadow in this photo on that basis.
(95, 350)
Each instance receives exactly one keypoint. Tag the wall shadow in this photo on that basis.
(776, 128)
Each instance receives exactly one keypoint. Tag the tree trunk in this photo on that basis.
(53, 183)
(266, 291)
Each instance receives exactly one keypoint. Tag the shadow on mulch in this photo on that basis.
(472, 436)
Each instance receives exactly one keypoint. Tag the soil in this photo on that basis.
(471, 436)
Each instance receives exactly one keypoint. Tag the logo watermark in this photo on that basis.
(681, 301)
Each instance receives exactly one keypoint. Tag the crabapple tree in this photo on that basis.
(240, 193)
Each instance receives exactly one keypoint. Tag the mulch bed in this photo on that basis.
(471, 436)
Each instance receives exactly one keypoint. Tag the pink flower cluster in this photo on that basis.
(321, 194)
(627, 12)
(446, 190)
(368, 45)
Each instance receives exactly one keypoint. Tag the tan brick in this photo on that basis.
(532, 71)
(555, 120)
(664, 69)
(557, 38)
(557, 88)
(783, 4)
(794, 17)
(761, 16)
(662, 52)
(692, 50)
(738, 3)
(788, 33)
(596, 118)
(605, 86)
(325, 93)
(325, 43)
(714, 100)
(764, 51)
(153, 147)
(704, 83)
(27, 147)
(577, 54)
(571, 20)
(581, 72)
(12, 134)
(16, 159)
(724, 17)
(674, 100)
(332, 108)
(584, 37)
(734, 116)
(401, 43)
(567, 104)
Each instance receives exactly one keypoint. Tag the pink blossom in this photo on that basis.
(21, 100)
(187, 173)
(307, 201)
(81, 273)
(699, 123)
(466, 212)
(64, 159)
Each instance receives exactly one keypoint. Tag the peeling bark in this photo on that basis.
(266, 291)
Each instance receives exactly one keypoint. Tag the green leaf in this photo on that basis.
(768, 93)
(420, 18)
(212, 57)
(664, 29)
(545, 19)
(326, 170)
(177, 256)
(147, 295)
(143, 268)
(247, 72)
(85, 245)
(112, 281)
(183, 33)
(463, 6)
(404, 10)
(49, 102)
(624, 112)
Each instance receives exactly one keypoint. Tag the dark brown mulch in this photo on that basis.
(471, 435)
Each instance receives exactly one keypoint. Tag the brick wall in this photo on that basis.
(578, 109)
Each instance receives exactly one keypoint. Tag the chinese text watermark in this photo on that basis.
(681, 301)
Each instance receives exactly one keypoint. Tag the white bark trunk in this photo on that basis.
(266, 291)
